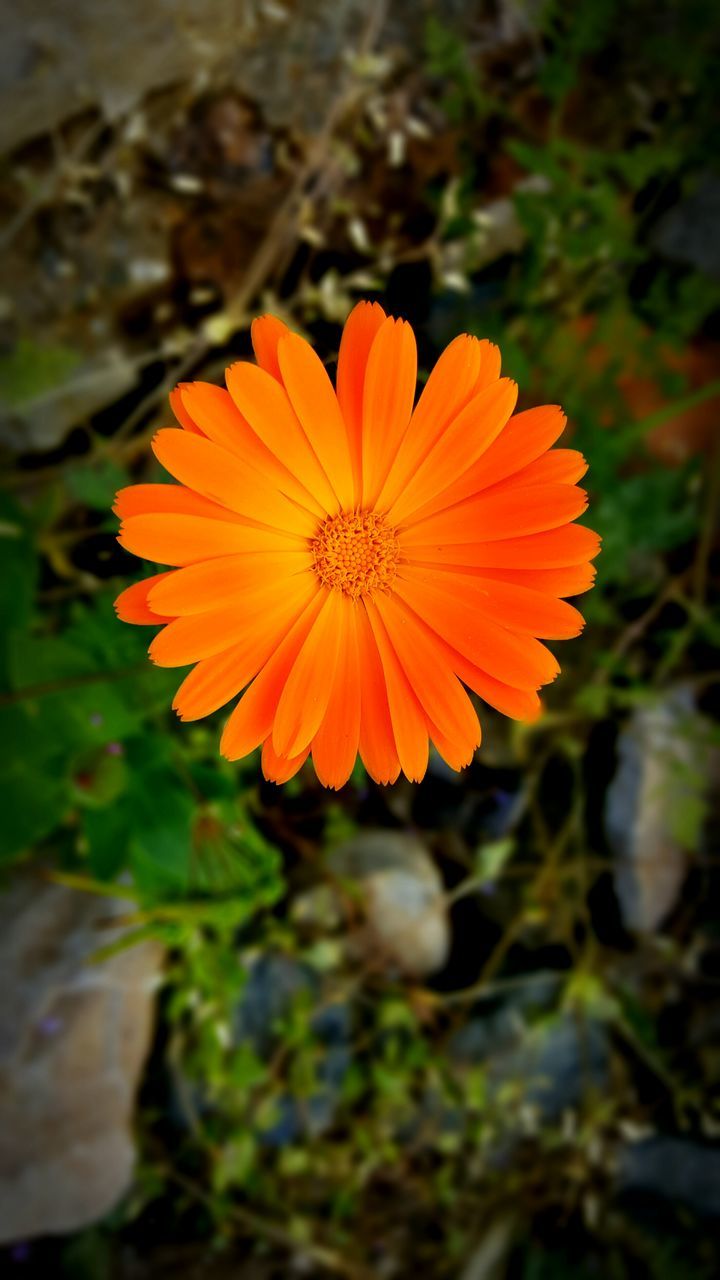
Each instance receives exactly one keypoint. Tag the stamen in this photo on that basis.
(356, 552)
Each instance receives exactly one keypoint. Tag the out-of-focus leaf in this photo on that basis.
(490, 860)
(29, 370)
(95, 484)
(48, 388)
(44, 660)
(640, 516)
(33, 793)
(161, 813)
(18, 574)
(100, 777)
(108, 835)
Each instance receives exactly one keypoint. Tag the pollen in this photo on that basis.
(356, 552)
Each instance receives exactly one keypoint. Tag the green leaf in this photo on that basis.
(33, 791)
(490, 860)
(95, 484)
(235, 1162)
(642, 515)
(29, 370)
(108, 835)
(104, 777)
(46, 660)
(18, 574)
(161, 813)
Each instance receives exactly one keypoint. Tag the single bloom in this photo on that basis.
(351, 562)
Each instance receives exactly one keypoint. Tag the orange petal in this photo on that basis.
(265, 405)
(447, 390)
(408, 720)
(467, 436)
(570, 545)
(357, 338)
(313, 398)
(335, 745)
(388, 396)
(377, 743)
(278, 768)
(221, 476)
(220, 419)
(456, 755)
(181, 413)
(571, 580)
(524, 438)
(217, 679)
(250, 619)
(179, 539)
(495, 515)
(557, 466)
(132, 603)
(303, 702)
(437, 690)
(251, 722)
(155, 499)
(266, 332)
(517, 704)
(211, 583)
(212, 409)
(530, 612)
(490, 364)
(214, 681)
(520, 661)
(518, 608)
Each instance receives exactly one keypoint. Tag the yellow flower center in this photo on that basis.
(355, 552)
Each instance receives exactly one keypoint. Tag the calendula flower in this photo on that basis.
(353, 561)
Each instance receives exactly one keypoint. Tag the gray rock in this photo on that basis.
(57, 59)
(654, 804)
(552, 1063)
(676, 1169)
(557, 1064)
(74, 1035)
(688, 233)
(407, 923)
(274, 982)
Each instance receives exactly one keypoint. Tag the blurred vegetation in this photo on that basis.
(518, 195)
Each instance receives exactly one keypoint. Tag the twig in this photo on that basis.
(274, 1231)
(46, 189)
(283, 227)
(636, 629)
(281, 230)
(71, 682)
(491, 990)
(707, 392)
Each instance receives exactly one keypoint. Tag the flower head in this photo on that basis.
(347, 561)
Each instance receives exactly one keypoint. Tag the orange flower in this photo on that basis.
(355, 561)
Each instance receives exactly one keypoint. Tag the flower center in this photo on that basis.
(356, 552)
